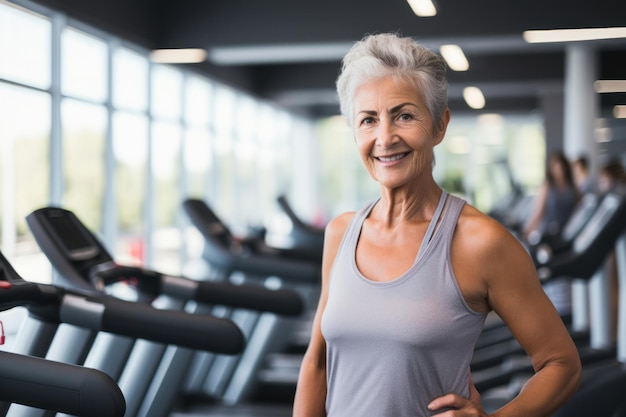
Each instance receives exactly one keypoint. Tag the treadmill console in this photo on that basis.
(69, 233)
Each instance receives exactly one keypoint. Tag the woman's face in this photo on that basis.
(394, 131)
(557, 169)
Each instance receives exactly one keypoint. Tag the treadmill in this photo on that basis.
(56, 386)
(229, 256)
(603, 384)
(49, 385)
(51, 306)
(153, 374)
(303, 235)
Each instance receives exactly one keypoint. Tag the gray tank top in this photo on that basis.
(392, 347)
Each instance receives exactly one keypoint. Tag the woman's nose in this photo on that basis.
(387, 134)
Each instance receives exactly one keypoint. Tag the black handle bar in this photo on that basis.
(251, 297)
(59, 387)
(101, 312)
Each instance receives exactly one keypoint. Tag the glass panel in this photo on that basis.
(130, 80)
(84, 127)
(340, 168)
(275, 221)
(166, 92)
(198, 161)
(24, 47)
(166, 149)
(222, 199)
(24, 175)
(130, 149)
(198, 96)
(84, 66)
(246, 151)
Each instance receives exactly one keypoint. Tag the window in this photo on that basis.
(130, 154)
(83, 143)
(84, 66)
(130, 150)
(130, 80)
(165, 172)
(24, 47)
(24, 175)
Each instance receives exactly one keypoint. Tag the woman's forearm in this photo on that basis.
(545, 392)
(310, 398)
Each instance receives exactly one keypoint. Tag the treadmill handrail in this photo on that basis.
(101, 312)
(60, 387)
(252, 297)
(102, 270)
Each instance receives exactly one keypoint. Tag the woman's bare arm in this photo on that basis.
(495, 272)
(310, 398)
(516, 295)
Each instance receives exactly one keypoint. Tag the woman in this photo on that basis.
(582, 177)
(408, 280)
(555, 201)
(553, 206)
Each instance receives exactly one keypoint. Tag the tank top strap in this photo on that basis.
(451, 215)
(435, 220)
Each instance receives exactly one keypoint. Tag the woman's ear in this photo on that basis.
(443, 126)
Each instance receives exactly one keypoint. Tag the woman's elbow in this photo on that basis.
(573, 373)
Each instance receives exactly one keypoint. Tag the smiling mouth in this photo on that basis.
(392, 158)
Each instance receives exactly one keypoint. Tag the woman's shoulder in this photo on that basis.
(337, 226)
(480, 231)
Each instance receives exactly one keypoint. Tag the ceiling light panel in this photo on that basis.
(610, 86)
(454, 56)
(619, 112)
(574, 35)
(178, 56)
(474, 97)
(423, 8)
(279, 53)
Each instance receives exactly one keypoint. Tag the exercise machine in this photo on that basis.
(303, 235)
(153, 374)
(51, 306)
(230, 256)
(49, 385)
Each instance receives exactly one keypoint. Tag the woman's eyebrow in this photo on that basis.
(402, 105)
(367, 112)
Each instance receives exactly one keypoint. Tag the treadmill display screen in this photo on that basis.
(68, 233)
(74, 241)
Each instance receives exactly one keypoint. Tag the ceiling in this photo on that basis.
(513, 75)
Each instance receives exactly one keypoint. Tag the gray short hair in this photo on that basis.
(388, 54)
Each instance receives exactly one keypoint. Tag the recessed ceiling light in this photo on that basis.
(610, 86)
(278, 53)
(178, 56)
(573, 35)
(619, 112)
(423, 8)
(454, 56)
(474, 97)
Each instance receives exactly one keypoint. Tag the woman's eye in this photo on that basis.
(367, 121)
(405, 116)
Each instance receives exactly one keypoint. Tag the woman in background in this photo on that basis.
(555, 200)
